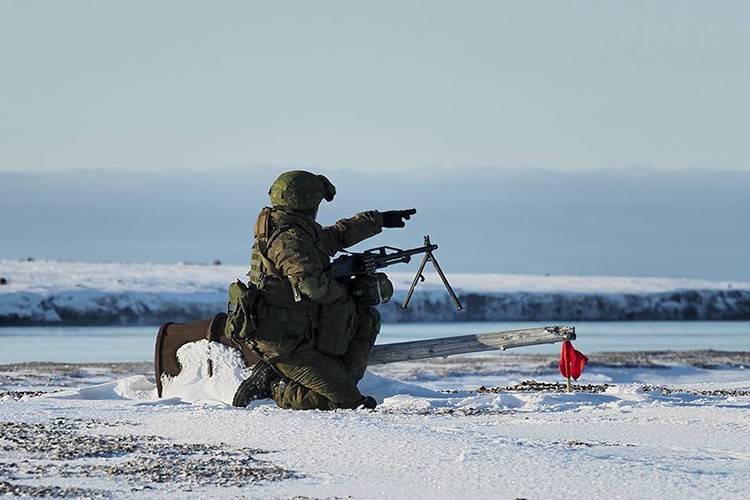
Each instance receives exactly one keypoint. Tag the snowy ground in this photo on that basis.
(640, 425)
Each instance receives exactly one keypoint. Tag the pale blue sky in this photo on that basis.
(381, 85)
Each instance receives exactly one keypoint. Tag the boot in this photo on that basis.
(256, 386)
(368, 402)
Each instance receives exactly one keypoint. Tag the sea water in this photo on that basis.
(136, 343)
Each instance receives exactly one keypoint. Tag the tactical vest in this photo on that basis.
(260, 266)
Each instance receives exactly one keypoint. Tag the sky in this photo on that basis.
(373, 86)
(573, 137)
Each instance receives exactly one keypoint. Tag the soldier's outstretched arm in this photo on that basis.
(347, 232)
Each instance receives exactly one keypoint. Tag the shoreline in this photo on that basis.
(607, 358)
(38, 378)
(702, 358)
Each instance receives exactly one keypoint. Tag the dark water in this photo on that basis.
(120, 343)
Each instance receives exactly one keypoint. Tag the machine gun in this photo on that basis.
(368, 262)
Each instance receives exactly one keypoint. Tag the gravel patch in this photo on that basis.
(48, 377)
(25, 490)
(534, 386)
(61, 450)
(16, 395)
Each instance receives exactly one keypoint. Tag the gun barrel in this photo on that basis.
(381, 255)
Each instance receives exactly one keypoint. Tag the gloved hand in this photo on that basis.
(396, 218)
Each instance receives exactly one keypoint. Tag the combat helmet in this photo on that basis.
(300, 190)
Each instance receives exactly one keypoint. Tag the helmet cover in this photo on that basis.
(301, 190)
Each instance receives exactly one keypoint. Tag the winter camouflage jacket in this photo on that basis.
(290, 253)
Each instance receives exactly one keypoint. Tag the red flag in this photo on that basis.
(571, 361)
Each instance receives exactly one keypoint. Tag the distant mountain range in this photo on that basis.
(633, 222)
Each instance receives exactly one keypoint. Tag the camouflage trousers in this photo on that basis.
(315, 380)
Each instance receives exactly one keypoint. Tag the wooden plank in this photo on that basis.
(440, 348)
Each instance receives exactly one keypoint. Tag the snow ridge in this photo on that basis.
(76, 293)
(579, 306)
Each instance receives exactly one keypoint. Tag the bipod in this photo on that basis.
(429, 257)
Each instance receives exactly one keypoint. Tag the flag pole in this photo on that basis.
(570, 386)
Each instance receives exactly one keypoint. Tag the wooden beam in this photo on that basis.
(448, 346)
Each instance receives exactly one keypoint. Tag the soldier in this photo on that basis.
(314, 339)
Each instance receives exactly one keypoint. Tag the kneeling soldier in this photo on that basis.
(313, 334)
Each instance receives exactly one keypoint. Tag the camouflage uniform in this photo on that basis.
(308, 326)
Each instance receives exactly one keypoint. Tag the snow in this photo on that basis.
(491, 425)
(680, 436)
(55, 292)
